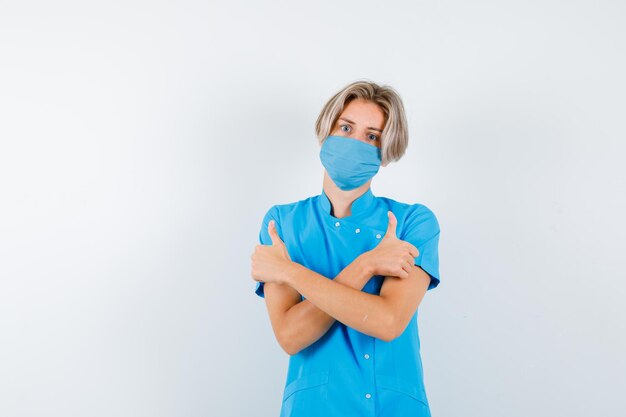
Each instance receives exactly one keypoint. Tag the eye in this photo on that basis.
(372, 136)
(342, 128)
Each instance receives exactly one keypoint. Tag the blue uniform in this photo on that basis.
(346, 372)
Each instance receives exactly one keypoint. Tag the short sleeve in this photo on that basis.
(265, 239)
(421, 229)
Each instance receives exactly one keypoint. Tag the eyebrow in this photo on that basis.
(351, 122)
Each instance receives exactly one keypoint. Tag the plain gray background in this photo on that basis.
(142, 143)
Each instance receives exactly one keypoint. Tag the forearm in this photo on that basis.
(305, 323)
(367, 313)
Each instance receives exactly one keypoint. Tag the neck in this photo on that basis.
(341, 200)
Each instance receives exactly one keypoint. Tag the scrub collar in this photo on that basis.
(362, 206)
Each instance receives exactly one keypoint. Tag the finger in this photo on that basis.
(407, 267)
(400, 271)
(391, 226)
(413, 251)
(271, 229)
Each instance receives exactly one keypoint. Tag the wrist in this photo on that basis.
(365, 262)
(288, 272)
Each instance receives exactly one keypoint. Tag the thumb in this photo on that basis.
(391, 227)
(271, 228)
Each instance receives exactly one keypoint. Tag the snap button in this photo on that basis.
(368, 395)
(337, 224)
(357, 231)
(377, 235)
(366, 356)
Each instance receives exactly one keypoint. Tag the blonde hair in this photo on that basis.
(395, 136)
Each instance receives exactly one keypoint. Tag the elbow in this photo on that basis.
(388, 335)
(287, 337)
(289, 348)
(286, 342)
(393, 328)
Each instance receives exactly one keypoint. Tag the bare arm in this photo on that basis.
(297, 323)
(368, 313)
(383, 316)
(304, 323)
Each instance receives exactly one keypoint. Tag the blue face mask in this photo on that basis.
(349, 162)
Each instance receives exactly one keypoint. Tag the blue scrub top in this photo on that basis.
(346, 372)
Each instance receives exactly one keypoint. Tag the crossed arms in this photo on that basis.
(297, 324)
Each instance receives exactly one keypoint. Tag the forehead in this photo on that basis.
(363, 111)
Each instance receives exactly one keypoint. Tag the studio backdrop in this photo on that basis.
(142, 142)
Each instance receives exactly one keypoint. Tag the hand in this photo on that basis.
(392, 256)
(270, 262)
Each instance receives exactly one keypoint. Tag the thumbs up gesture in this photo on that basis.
(270, 262)
(392, 256)
(391, 226)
